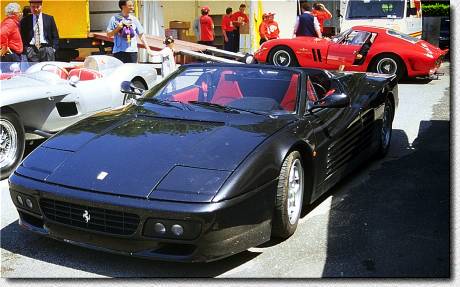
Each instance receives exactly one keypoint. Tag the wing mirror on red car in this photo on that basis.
(335, 100)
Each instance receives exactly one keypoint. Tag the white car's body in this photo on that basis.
(46, 98)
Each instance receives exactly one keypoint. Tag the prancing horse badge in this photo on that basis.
(86, 216)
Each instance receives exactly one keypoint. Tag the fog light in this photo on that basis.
(29, 203)
(159, 228)
(177, 230)
(19, 198)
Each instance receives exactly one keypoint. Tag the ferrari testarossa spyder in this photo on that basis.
(49, 96)
(361, 48)
(213, 160)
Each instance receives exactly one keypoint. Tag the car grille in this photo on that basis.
(102, 220)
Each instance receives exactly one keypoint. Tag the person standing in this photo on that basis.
(168, 63)
(322, 14)
(39, 34)
(307, 24)
(126, 28)
(11, 42)
(263, 29)
(239, 20)
(228, 30)
(26, 11)
(206, 27)
(273, 30)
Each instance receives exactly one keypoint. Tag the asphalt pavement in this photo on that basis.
(389, 219)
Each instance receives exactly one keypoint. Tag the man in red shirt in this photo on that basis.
(272, 27)
(206, 27)
(239, 19)
(321, 13)
(11, 42)
(228, 30)
(263, 29)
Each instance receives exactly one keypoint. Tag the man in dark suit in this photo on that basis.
(39, 34)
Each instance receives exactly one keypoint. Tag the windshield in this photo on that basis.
(258, 89)
(375, 9)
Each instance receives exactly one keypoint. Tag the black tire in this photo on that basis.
(282, 56)
(388, 64)
(12, 142)
(283, 225)
(385, 129)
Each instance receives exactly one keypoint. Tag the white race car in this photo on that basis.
(51, 96)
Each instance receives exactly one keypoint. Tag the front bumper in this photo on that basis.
(226, 227)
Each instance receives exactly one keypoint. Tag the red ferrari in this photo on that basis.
(361, 48)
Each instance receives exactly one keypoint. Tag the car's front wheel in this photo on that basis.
(12, 142)
(282, 56)
(386, 129)
(289, 196)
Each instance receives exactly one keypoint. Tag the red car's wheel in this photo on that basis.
(388, 64)
(282, 56)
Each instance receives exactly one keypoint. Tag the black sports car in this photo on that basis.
(210, 162)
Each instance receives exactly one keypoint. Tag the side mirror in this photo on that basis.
(338, 100)
(128, 88)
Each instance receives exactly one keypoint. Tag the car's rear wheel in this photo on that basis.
(289, 196)
(12, 142)
(389, 64)
(386, 129)
(282, 56)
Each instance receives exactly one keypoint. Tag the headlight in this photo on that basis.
(189, 184)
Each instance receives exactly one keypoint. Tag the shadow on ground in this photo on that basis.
(396, 223)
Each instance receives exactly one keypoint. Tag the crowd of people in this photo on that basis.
(232, 23)
(309, 23)
(31, 35)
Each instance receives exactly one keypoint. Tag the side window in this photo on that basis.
(356, 38)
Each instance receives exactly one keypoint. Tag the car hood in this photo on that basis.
(184, 157)
(22, 88)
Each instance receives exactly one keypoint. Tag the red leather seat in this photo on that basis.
(290, 97)
(226, 91)
(311, 93)
(85, 74)
(188, 95)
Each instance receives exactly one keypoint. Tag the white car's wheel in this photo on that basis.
(289, 196)
(12, 142)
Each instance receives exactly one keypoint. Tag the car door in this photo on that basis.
(337, 133)
(345, 51)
